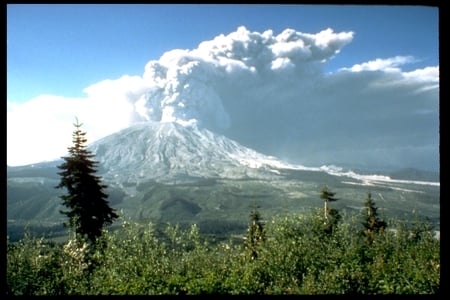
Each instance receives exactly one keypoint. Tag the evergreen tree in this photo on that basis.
(88, 210)
(331, 215)
(256, 234)
(371, 222)
(327, 197)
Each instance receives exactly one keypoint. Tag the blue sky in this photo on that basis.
(61, 49)
(372, 70)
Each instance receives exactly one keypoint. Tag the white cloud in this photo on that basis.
(40, 129)
(387, 65)
(428, 74)
(282, 63)
(264, 90)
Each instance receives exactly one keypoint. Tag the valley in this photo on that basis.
(219, 205)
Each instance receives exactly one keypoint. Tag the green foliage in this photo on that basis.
(331, 215)
(371, 222)
(297, 257)
(256, 234)
(33, 267)
(88, 209)
(327, 195)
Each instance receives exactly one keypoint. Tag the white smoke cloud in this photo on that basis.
(264, 90)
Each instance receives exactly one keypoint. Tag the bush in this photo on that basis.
(297, 257)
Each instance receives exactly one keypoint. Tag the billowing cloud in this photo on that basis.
(266, 91)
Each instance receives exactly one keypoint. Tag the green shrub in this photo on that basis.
(297, 257)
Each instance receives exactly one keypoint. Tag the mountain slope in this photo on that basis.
(166, 152)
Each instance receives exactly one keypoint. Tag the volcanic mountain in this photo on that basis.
(168, 152)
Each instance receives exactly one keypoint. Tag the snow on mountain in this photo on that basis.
(171, 152)
(168, 151)
(371, 179)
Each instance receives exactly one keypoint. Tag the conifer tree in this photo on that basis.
(88, 208)
(371, 222)
(331, 215)
(327, 197)
(256, 234)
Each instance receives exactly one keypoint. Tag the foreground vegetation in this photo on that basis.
(294, 254)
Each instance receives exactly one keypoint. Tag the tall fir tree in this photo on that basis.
(371, 222)
(88, 208)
